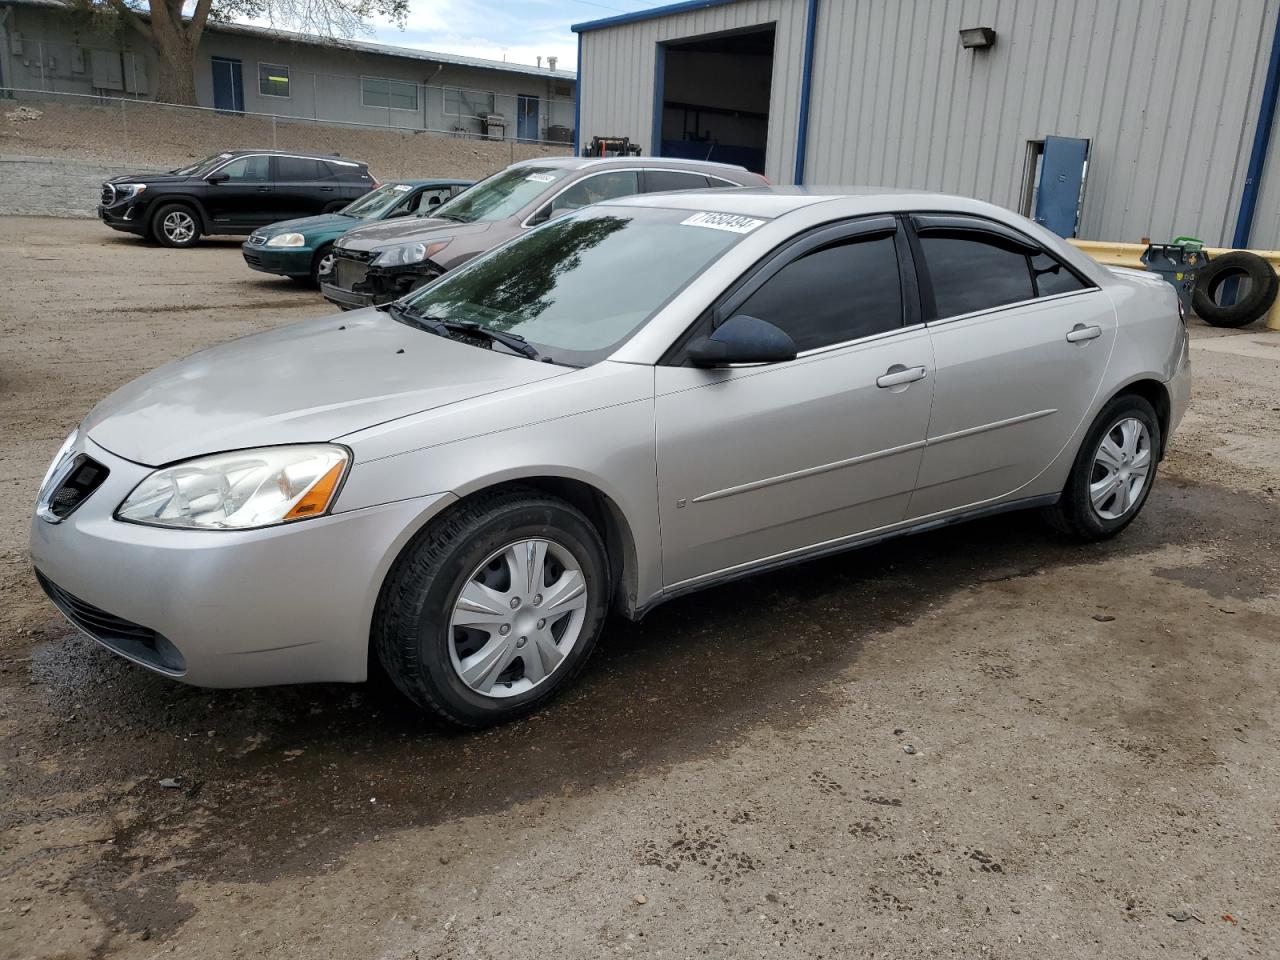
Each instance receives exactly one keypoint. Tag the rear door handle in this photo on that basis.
(326, 189)
(1080, 332)
(264, 189)
(898, 375)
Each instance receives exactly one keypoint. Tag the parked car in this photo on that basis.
(470, 479)
(303, 249)
(230, 193)
(382, 262)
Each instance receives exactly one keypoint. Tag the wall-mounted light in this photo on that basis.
(977, 38)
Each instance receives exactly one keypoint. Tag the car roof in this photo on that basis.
(308, 155)
(433, 181)
(773, 202)
(671, 163)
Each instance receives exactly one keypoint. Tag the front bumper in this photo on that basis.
(128, 217)
(285, 604)
(370, 286)
(280, 261)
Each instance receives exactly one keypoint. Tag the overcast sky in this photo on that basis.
(515, 30)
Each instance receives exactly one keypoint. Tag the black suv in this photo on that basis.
(233, 192)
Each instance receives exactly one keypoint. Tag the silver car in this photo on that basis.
(634, 401)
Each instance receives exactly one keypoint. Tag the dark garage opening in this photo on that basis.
(715, 97)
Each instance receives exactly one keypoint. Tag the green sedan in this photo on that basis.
(303, 249)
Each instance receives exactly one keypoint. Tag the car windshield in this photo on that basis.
(375, 203)
(501, 195)
(579, 286)
(201, 167)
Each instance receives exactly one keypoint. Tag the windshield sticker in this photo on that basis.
(733, 222)
(541, 177)
(401, 188)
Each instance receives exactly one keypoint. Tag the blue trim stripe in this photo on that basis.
(659, 94)
(653, 13)
(1261, 142)
(577, 106)
(806, 81)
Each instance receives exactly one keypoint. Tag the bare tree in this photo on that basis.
(175, 37)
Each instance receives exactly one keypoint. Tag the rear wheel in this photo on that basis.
(175, 225)
(494, 608)
(1113, 472)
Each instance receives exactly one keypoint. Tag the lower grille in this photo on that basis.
(348, 273)
(124, 636)
(252, 259)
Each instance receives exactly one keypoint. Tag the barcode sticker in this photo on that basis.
(541, 177)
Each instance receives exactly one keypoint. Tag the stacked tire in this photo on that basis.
(1244, 268)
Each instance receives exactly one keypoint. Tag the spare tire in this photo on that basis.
(1257, 300)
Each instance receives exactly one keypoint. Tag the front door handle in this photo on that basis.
(264, 189)
(898, 375)
(326, 189)
(1081, 333)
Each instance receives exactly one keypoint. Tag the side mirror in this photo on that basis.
(742, 339)
(218, 178)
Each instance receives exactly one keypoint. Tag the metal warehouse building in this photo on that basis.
(1112, 119)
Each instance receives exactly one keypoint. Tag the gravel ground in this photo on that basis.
(1094, 729)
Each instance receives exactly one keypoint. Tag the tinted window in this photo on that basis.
(273, 80)
(971, 274)
(503, 194)
(834, 294)
(295, 168)
(656, 181)
(603, 186)
(248, 169)
(1052, 277)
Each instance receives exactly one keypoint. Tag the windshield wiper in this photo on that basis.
(512, 341)
(416, 318)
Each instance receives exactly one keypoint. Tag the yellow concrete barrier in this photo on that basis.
(1130, 255)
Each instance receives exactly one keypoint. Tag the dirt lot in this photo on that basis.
(1095, 729)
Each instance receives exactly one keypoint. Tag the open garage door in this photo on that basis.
(715, 97)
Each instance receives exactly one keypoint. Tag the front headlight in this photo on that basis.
(241, 490)
(128, 191)
(286, 240)
(408, 253)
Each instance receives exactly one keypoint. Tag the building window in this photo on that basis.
(391, 94)
(468, 103)
(273, 80)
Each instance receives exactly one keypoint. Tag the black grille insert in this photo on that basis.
(85, 477)
(108, 194)
(124, 636)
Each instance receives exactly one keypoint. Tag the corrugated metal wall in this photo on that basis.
(1167, 91)
(618, 66)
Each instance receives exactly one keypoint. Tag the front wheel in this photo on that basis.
(175, 225)
(1113, 471)
(494, 608)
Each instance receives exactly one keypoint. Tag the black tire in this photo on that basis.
(1074, 514)
(314, 278)
(412, 635)
(1263, 286)
(184, 214)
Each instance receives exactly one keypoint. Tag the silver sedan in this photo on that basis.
(628, 403)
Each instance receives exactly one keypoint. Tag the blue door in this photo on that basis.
(228, 85)
(1062, 168)
(527, 126)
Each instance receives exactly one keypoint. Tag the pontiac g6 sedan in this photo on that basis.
(636, 400)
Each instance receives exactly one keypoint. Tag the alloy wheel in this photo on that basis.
(1121, 467)
(517, 618)
(179, 227)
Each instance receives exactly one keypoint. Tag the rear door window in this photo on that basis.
(660, 181)
(973, 271)
(295, 169)
(845, 291)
